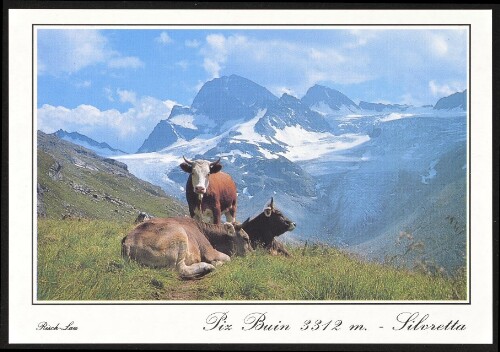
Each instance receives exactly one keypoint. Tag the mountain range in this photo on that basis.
(355, 176)
(101, 148)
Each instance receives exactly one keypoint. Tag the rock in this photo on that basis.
(55, 171)
(40, 207)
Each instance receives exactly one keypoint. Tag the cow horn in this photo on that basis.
(215, 162)
(271, 205)
(245, 223)
(187, 161)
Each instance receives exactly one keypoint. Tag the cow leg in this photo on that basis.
(215, 257)
(216, 215)
(195, 270)
(231, 214)
(277, 247)
(191, 210)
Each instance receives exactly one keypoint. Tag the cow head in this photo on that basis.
(240, 242)
(200, 171)
(277, 220)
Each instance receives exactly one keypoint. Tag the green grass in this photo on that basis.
(60, 198)
(81, 260)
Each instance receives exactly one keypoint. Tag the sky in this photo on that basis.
(115, 85)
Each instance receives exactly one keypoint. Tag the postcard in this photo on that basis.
(232, 176)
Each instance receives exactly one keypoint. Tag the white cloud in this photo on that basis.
(361, 37)
(108, 93)
(409, 99)
(126, 96)
(198, 86)
(125, 62)
(212, 67)
(444, 90)
(280, 90)
(279, 63)
(439, 45)
(164, 38)
(183, 64)
(215, 54)
(170, 104)
(124, 130)
(70, 50)
(192, 43)
(84, 84)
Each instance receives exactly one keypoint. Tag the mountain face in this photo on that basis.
(356, 180)
(102, 149)
(162, 135)
(73, 181)
(455, 101)
(289, 111)
(382, 107)
(220, 104)
(324, 99)
(230, 98)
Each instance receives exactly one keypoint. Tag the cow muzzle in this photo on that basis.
(200, 190)
(292, 226)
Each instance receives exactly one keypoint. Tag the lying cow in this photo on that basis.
(263, 229)
(209, 192)
(192, 247)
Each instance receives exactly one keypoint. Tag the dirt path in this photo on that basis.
(184, 290)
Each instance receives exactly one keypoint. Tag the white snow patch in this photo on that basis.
(325, 110)
(230, 123)
(105, 152)
(267, 154)
(203, 120)
(395, 116)
(431, 173)
(247, 130)
(307, 145)
(184, 120)
(235, 152)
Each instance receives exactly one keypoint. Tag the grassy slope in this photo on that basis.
(80, 260)
(61, 198)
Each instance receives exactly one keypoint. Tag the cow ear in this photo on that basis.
(267, 211)
(231, 231)
(186, 167)
(237, 225)
(215, 168)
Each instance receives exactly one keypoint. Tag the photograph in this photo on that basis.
(223, 178)
(290, 164)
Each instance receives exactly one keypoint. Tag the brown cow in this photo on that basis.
(209, 192)
(192, 247)
(263, 229)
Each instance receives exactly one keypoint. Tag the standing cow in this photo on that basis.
(209, 192)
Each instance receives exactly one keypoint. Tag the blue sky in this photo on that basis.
(115, 85)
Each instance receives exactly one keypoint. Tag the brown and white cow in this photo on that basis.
(209, 192)
(263, 229)
(192, 247)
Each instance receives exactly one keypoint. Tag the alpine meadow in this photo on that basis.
(358, 137)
